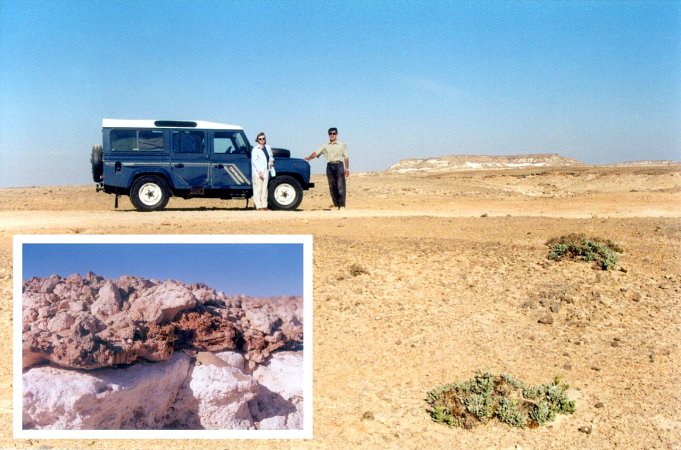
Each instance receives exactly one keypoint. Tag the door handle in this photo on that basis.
(179, 166)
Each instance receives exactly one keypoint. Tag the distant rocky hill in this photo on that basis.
(475, 162)
(472, 162)
(645, 163)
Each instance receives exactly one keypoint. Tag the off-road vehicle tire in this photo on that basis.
(285, 193)
(149, 193)
(97, 164)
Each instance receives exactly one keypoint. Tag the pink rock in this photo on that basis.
(259, 320)
(49, 284)
(163, 302)
(203, 293)
(90, 322)
(62, 321)
(204, 330)
(108, 301)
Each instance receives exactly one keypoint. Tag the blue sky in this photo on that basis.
(596, 81)
(251, 269)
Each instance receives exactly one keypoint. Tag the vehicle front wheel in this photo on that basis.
(149, 193)
(285, 193)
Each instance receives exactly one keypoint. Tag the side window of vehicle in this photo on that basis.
(241, 142)
(123, 140)
(136, 140)
(223, 143)
(188, 141)
(150, 140)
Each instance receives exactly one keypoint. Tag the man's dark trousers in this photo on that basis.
(335, 173)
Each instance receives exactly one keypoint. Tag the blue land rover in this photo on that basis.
(152, 160)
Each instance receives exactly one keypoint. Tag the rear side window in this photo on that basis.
(137, 140)
(188, 141)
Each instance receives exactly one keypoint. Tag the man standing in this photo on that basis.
(337, 167)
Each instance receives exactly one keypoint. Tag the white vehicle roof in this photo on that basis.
(144, 123)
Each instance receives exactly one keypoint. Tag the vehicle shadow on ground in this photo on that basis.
(204, 209)
(212, 208)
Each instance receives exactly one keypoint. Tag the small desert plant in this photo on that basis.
(509, 413)
(549, 399)
(577, 246)
(503, 397)
(357, 270)
(480, 405)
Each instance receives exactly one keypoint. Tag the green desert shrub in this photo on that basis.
(509, 413)
(480, 405)
(603, 252)
(486, 396)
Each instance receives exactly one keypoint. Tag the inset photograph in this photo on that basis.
(162, 336)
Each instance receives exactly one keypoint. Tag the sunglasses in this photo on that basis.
(261, 138)
(333, 132)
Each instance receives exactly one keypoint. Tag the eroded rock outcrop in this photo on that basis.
(90, 322)
(127, 398)
(199, 391)
(133, 353)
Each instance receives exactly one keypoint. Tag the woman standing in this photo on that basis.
(261, 163)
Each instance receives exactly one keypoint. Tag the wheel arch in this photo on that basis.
(295, 175)
(153, 173)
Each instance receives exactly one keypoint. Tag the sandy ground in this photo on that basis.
(426, 279)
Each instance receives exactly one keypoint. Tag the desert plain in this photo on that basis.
(427, 278)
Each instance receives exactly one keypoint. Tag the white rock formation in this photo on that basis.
(216, 398)
(473, 162)
(282, 374)
(234, 359)
(125, 398)
(169, 394)
(280, 402)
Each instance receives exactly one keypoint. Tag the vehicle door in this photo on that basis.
(230, 162)
(189, 157)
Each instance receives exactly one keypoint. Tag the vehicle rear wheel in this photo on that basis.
(149, 193)
(97, 164)
(285, 193)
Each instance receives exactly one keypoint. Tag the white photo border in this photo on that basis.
(20, 240)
